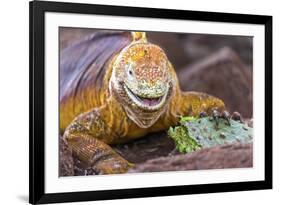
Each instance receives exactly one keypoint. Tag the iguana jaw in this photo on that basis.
(145, 103)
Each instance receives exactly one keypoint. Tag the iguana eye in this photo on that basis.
(130, 72)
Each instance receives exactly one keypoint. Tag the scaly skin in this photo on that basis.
(140, 94)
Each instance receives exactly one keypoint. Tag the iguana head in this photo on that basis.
(141, 81)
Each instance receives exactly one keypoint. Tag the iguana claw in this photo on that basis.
(237, 116)
(203, 114)
(224, 115)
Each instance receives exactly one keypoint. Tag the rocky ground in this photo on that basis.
(219, 157)
(157, 153)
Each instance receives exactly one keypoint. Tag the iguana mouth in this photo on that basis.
(144, 102)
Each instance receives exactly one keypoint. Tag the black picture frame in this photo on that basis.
(37, 10)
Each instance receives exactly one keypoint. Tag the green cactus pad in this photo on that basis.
(196, 133)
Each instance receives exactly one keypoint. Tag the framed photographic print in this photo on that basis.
(140, 102)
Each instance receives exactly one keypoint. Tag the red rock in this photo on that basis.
(66, 164)
(219, 157)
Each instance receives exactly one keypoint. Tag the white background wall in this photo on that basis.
(14, 100)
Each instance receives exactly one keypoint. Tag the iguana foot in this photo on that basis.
(224, 115)
(216, 114)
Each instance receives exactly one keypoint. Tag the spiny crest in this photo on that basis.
(139, 36)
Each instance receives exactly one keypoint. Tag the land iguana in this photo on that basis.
(116, 87)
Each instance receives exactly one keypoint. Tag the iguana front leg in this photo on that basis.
(201, 104)
(87, 137)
